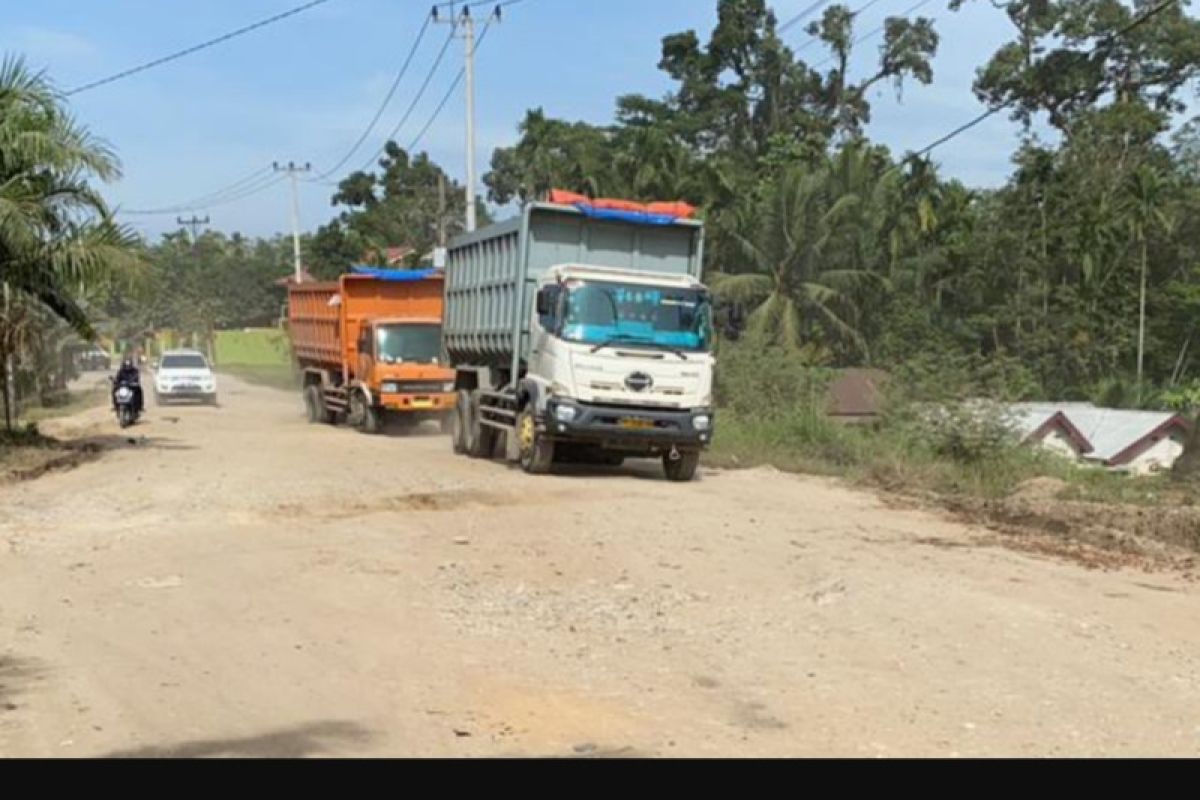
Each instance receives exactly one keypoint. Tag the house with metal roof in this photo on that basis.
(1135, 441)
(1050, 428)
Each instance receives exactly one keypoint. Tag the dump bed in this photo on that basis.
(324, 318)
(491, 274)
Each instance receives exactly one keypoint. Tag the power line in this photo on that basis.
(382, 106)
(193, 49)
(235, 186)
(413, 105)
(858, 39)
(474, 3)
(966, 126)
(853, 15)
(449, 92)
(223, 197)
(801, 16)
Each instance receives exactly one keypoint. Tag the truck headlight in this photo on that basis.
(448, 386)
(390, 388)
(565, 413)
(701, 422)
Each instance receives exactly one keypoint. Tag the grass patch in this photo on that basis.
(274, 376)
(254, 347)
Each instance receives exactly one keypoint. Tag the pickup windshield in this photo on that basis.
(597, 312)
(183, 361)
(414, 343)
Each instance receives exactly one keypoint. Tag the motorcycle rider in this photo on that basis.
(129, 375)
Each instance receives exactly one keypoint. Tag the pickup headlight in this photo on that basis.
(565, 413)
(701, 422)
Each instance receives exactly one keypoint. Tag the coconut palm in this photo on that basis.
(56, 234)
(807, 266)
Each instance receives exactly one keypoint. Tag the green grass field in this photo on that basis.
(258, 355)
(254, 347)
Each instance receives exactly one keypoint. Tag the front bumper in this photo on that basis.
(410, 403)
(623, 427)
(185, 392)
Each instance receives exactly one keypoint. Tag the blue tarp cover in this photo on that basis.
(397, 275)
(636, 217)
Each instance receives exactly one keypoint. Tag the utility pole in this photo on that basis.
(194, 223)
(293, 170)
(441, 209)
(10, 377)
(464, 26)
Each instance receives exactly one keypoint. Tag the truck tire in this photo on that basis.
(372, 419)
(682, 468)
(364, 416)
(537, 452)
(480, 439)
(314, 405)
(459, 422)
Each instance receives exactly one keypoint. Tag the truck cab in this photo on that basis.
(622, 359)
(398, 360)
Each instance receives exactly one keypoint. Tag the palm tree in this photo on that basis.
(1147, 189)
(807, 266)
(56, 233)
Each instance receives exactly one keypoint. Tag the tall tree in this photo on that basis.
(56, 233)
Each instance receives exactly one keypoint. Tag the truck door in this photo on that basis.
(366, 352)
(541, 349)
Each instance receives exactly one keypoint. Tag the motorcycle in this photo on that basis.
(125, 402)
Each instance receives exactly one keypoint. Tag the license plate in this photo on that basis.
(635, 423)
(186, 387)
(422, 404)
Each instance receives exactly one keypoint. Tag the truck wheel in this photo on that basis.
(682, 468)
(362, 415)
(372, 419)
(314, 404)
(458, 423)
(480, 439)
(537, 452)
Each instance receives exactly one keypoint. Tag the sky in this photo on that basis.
(305, 88)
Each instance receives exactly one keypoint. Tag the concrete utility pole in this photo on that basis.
(441, 226)
(293, 170)
(464, 26)
(194, 223)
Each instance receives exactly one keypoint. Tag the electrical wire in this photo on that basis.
(193, 49)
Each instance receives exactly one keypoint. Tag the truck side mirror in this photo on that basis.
(544, 304)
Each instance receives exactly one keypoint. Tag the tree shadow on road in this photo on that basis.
(314, 738)
(129, 441)
(16, 673)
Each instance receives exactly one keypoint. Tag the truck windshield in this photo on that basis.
(602, 311)
(410, 343)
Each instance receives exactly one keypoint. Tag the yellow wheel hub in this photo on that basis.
(527, 432)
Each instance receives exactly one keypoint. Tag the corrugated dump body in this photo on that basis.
(324, 318)
(491, 273)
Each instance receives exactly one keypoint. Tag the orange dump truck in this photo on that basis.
(369, 346)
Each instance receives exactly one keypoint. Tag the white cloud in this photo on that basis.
(48, 47)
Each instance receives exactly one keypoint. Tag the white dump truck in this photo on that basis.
(581, 334)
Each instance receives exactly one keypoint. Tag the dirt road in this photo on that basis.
(242, 583)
